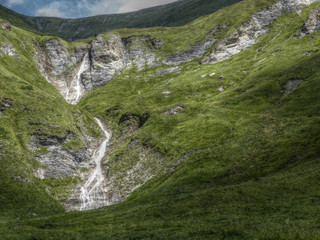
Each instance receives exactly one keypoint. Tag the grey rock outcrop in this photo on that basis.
(312, 23)
(169, 70)
(5, 103)
(6, 26)
(134, 173)
(77, 70)
(58, 162)
(107, 57)
(91, 192)
(180, 108)
(196, 51)
(9, 50)
(60, 66)
(141, 51)
(247, 33)
(291, 86)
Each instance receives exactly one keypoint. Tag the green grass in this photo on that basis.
(16, 19)
(37, 108)
(252, 166)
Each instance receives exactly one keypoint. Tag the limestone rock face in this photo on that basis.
(136, 172)
(58, 55)
(58, 162)
(60, 66)
(312, 23)
(141, 51)
(77, 70)
(107, 58)
(9, 50)
(247, 34)
(197, 50)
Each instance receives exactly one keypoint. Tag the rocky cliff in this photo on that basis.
(76, 70)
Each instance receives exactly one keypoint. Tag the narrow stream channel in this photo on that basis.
(93, 193)
(75, 88)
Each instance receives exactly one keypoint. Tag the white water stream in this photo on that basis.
(75, 87)
(93, 193)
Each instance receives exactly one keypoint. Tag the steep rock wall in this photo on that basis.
(77, 70)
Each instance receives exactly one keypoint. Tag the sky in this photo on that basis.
(78, 8)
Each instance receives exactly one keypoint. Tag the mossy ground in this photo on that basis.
(253, 167)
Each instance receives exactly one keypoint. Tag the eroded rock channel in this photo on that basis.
(91, 193)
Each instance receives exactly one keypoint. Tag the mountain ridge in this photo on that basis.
(173, 14)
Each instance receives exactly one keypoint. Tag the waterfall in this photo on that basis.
(74, 91)
(93, 193)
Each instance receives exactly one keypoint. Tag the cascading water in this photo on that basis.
(74, 91)
(93, 193)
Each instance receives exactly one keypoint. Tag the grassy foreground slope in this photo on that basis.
(248, 156)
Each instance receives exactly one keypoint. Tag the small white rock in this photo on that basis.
(221, 89)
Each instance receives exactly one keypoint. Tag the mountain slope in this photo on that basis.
(174, 14)
(35, 122)
(222, 146)
(15, 18)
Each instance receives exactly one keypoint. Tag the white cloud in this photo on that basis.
(101, 7)
(49, 12)
(97, 7)
(84, 8)
(10, 3)
(52, 10)
(134, 5)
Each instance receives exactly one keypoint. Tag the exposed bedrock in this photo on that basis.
(107, 56)
(76, 70)
(141, 51)
(247, 33)
(311, 24)
(9, 50)
(60, 66)
(57, 161)
(196, 51)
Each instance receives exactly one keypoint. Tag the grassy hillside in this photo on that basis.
(30, 106)
(234, 156)
(16, 19)
(176, 14)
